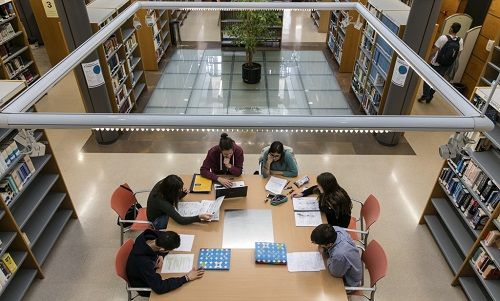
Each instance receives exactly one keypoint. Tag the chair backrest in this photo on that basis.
(352, 226)
(122, 199)
(370, 211)
(375, 261)
(121, 259)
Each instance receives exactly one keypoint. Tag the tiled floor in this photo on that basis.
(200, 82)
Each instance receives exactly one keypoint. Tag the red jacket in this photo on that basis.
(213, 164)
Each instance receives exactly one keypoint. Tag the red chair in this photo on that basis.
(375, 261)
(121, 264)
(121, 200)
(368, 215)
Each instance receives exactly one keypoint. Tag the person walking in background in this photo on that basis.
(446, 52)
(223, 159)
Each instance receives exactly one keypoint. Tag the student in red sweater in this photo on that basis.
(223, 159)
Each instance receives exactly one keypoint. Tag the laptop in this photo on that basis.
(232, 192)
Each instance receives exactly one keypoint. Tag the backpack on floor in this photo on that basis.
(449, 52)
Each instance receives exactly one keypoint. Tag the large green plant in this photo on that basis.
(253, 28)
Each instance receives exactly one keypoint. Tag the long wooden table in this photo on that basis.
(247, 280)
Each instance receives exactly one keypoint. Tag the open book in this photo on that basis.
(197, 208)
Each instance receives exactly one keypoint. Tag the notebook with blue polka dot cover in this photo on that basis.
(214, 259)
(270, 253)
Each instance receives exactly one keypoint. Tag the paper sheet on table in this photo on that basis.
(238, 184)
(242, 228)
(186, 243)
(306, 204)
(308, 218)
(305, 262)
(189, 208)
(212, 207)
(276, 185)
(177, 263)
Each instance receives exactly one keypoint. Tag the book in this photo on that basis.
(270, 253)
(9, 262)
(491, 238)
(214, 259)
(200, 184)
(4, 270)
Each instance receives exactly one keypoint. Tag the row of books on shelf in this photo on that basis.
(7, 49)
(130, 43)
(463, 199)
(9, 151)
(113, 62)
(6, 32)
(118, 79)
(14, 182)
(485, 265)
(7, 268)
(26, 75)
(7, 10)
(492, 239)
(14, 65)
(110, 45)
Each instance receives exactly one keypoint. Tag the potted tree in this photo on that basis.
(249, 32)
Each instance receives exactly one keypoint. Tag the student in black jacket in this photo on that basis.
(333, 199)
(146, 258)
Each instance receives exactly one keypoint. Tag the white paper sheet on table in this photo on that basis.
(308, 218)
(197, 208)
(242, 228)
(306, 204)
(186, 243)
(177, 263)
(305, 262)
(276, 185)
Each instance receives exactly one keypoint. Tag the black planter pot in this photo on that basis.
(251, 73)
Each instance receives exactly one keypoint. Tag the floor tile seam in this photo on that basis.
(191, 92)
(292, 90)
(271, 107)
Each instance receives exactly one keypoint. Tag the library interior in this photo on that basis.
(249, 150)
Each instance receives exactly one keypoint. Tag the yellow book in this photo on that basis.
(201, 184)
(9, 262)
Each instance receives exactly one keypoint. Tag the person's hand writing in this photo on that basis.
(195, 274)
(205, 217)
(225, 182)
(185, 190)
(159, 262)
(297, 195)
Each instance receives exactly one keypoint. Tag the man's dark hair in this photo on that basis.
(323, 234)
(168, 240)
(225, 143)
(455, 27)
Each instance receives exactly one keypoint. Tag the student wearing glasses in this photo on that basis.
(163, 200)
(278, 161)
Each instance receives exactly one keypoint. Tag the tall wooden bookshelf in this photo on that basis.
(155, 40)
(463, 209)
(16, 58)
(320, 17)
(341, 41)
(33, 214)
(121, 61)
(228, 18)
(492, 67)
(376, 59)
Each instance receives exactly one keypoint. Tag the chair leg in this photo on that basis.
(121, 234)
(129, 295)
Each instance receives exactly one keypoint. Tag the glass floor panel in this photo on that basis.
(208, 82)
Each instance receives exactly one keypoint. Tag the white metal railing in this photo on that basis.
(470, 118)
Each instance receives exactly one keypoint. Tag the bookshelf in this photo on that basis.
(492, 67)
(16, 58)
(154, 41)
(120, 59)
(342, 40)
(321, 17)
(227, 18)
(375, 61)
(463, 209)
(34, 207)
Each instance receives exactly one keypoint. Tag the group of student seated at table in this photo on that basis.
(146, 259)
